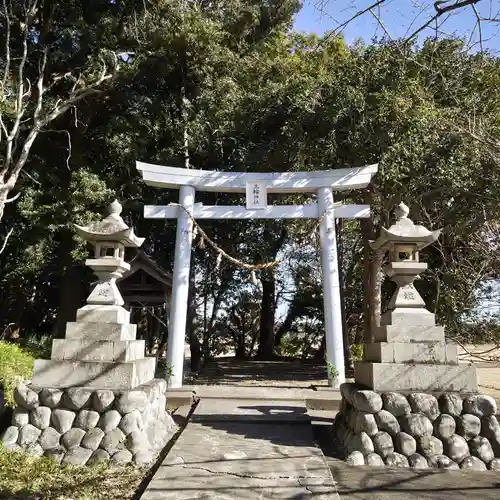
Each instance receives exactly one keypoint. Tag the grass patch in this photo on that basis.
(16, 365)
(27, 478)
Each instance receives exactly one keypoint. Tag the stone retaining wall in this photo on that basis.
(83, 426)
(420, 430)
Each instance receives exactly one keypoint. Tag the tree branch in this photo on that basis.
(19, 100)
(14, 198)
(7, 45)
(6, 239)
(39, 86)
(480, 29)
(42, 121)
(439, 12)
(340, 28)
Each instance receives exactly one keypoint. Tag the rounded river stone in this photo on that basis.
(416, 425)
(396, 403)
(480, 405)
(456, 448)
(425, 404)
(387, 422)
(444, 426)
(355, 458)
(396, 460)
(468, 426)
(473, 463)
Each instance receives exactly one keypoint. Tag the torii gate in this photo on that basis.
(256, 186)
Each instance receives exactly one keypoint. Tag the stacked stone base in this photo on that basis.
(420, 430)
(81, 426)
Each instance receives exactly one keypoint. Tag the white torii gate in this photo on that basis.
(256, 186)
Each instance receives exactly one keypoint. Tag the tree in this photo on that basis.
(56, 54)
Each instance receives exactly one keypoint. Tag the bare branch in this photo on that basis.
(59, 108)
(14, 198)
(7, 44)
(441, 11)
(39, 86)
(19, 101)
(29, 176)
(474, 8)
(381, 24)
(6, 239)
(68, 157)
(436, 13)
(457, 5)
(340, 28)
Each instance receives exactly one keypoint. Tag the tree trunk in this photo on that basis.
(72, 287)
(191, 327)
(240, 351)
(347, 352)
(372, 276)
(320, 353)
(285, 326)
(266, 346)
(372, 292)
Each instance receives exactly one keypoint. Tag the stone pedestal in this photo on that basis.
(410, 354)
(83, 425)
(100, 350)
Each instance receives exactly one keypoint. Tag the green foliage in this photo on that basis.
(16, 365)
(38, 346)
(357, 351)
(332, 370)
(23, 476)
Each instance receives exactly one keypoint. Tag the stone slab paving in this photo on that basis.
(374, 483)
(221, 455)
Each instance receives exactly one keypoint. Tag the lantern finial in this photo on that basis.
(401, 211)
(115, 208)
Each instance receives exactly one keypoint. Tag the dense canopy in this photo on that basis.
(89, 88)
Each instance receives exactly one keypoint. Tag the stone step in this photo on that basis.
(408, 334)
(250, 410)
(323, 402)
(98, 350)
(408, 316)
(99, 374)
(182, 397)
(327, 399)
(424, 352)
(395, 377)
(100, 331)
(103, 314)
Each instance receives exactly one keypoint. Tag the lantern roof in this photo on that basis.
(111, 229)
(404, 231)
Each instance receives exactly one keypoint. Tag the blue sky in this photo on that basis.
(400, 17)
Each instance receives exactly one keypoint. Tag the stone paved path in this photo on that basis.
(244, 449)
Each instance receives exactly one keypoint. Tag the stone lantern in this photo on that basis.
(403, 240)
(100, 348)
(410, 352)
(109, 238)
